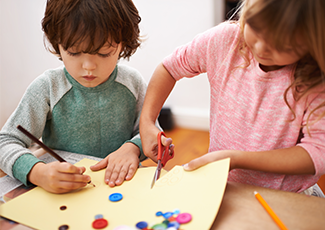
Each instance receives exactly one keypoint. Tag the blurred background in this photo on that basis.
(165, 25)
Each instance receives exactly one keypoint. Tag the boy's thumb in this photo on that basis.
(100, 165)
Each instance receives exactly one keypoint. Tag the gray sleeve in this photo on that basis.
(138, 87)
(31, 114)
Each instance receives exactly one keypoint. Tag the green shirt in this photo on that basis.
(70, 117)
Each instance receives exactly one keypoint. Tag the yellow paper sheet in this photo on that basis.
(198, 192)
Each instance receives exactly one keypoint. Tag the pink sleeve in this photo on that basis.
(314, 138)
(203, 52)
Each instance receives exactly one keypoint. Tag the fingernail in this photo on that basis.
(107, 181)
(185, 166)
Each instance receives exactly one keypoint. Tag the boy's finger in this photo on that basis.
(69, 186)
(100, 165)
(73, 177)
(66, 167)
(131, 172)
(121, 175)
(110, 175)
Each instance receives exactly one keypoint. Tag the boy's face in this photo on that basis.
(90, 70)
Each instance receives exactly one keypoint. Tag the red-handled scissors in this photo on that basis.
(163, 156)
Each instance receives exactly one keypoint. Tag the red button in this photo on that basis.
(100, 223)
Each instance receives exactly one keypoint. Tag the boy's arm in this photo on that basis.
(292, 161)
(31, 114)
(160, 86)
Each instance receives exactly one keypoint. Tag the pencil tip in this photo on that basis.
(255, 192)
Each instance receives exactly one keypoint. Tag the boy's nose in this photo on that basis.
(89, 63)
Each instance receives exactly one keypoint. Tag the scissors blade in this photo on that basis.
(157, 174)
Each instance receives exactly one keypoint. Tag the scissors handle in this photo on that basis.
(163, 151)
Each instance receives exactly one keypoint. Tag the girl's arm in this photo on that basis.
(160, 86)
(294, 160)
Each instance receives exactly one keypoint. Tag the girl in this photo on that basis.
(267, 81)
(89, 106)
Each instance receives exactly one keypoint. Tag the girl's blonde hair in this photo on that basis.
(284, 22)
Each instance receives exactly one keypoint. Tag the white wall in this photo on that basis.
(22, 54)
(165, 24)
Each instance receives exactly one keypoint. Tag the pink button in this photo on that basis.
(184, 218)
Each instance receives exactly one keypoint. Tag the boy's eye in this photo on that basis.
(73, 54)
(104, 55)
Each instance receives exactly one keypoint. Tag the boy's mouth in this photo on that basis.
(89, 77)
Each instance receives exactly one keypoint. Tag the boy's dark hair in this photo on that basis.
(70, 22)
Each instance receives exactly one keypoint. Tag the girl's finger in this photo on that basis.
(199, 162)
(166, 140)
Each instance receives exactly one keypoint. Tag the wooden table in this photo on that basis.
(241, 210)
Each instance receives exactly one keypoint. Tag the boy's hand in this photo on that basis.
(120, 165)
(57, 177)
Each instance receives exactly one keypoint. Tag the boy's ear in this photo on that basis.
(122, 49)
(59, 56)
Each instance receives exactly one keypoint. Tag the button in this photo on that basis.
(168, 214)
(172, 218)
(174, 224)
(142, 225)
(114, 197)
(159, 213)
(184, 218)
(159, 227)
(99, 223)
(177, 211)
(99, 216)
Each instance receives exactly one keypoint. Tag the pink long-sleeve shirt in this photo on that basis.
(247, 110)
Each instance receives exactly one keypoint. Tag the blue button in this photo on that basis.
(99, 216)
(141, 225)
(115, 197)
(174, 224)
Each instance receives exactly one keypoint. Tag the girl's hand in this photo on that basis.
(120, 165)
(211, 157)
(150, 144)
(58, 177)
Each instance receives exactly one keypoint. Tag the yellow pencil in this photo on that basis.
(270, 211)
